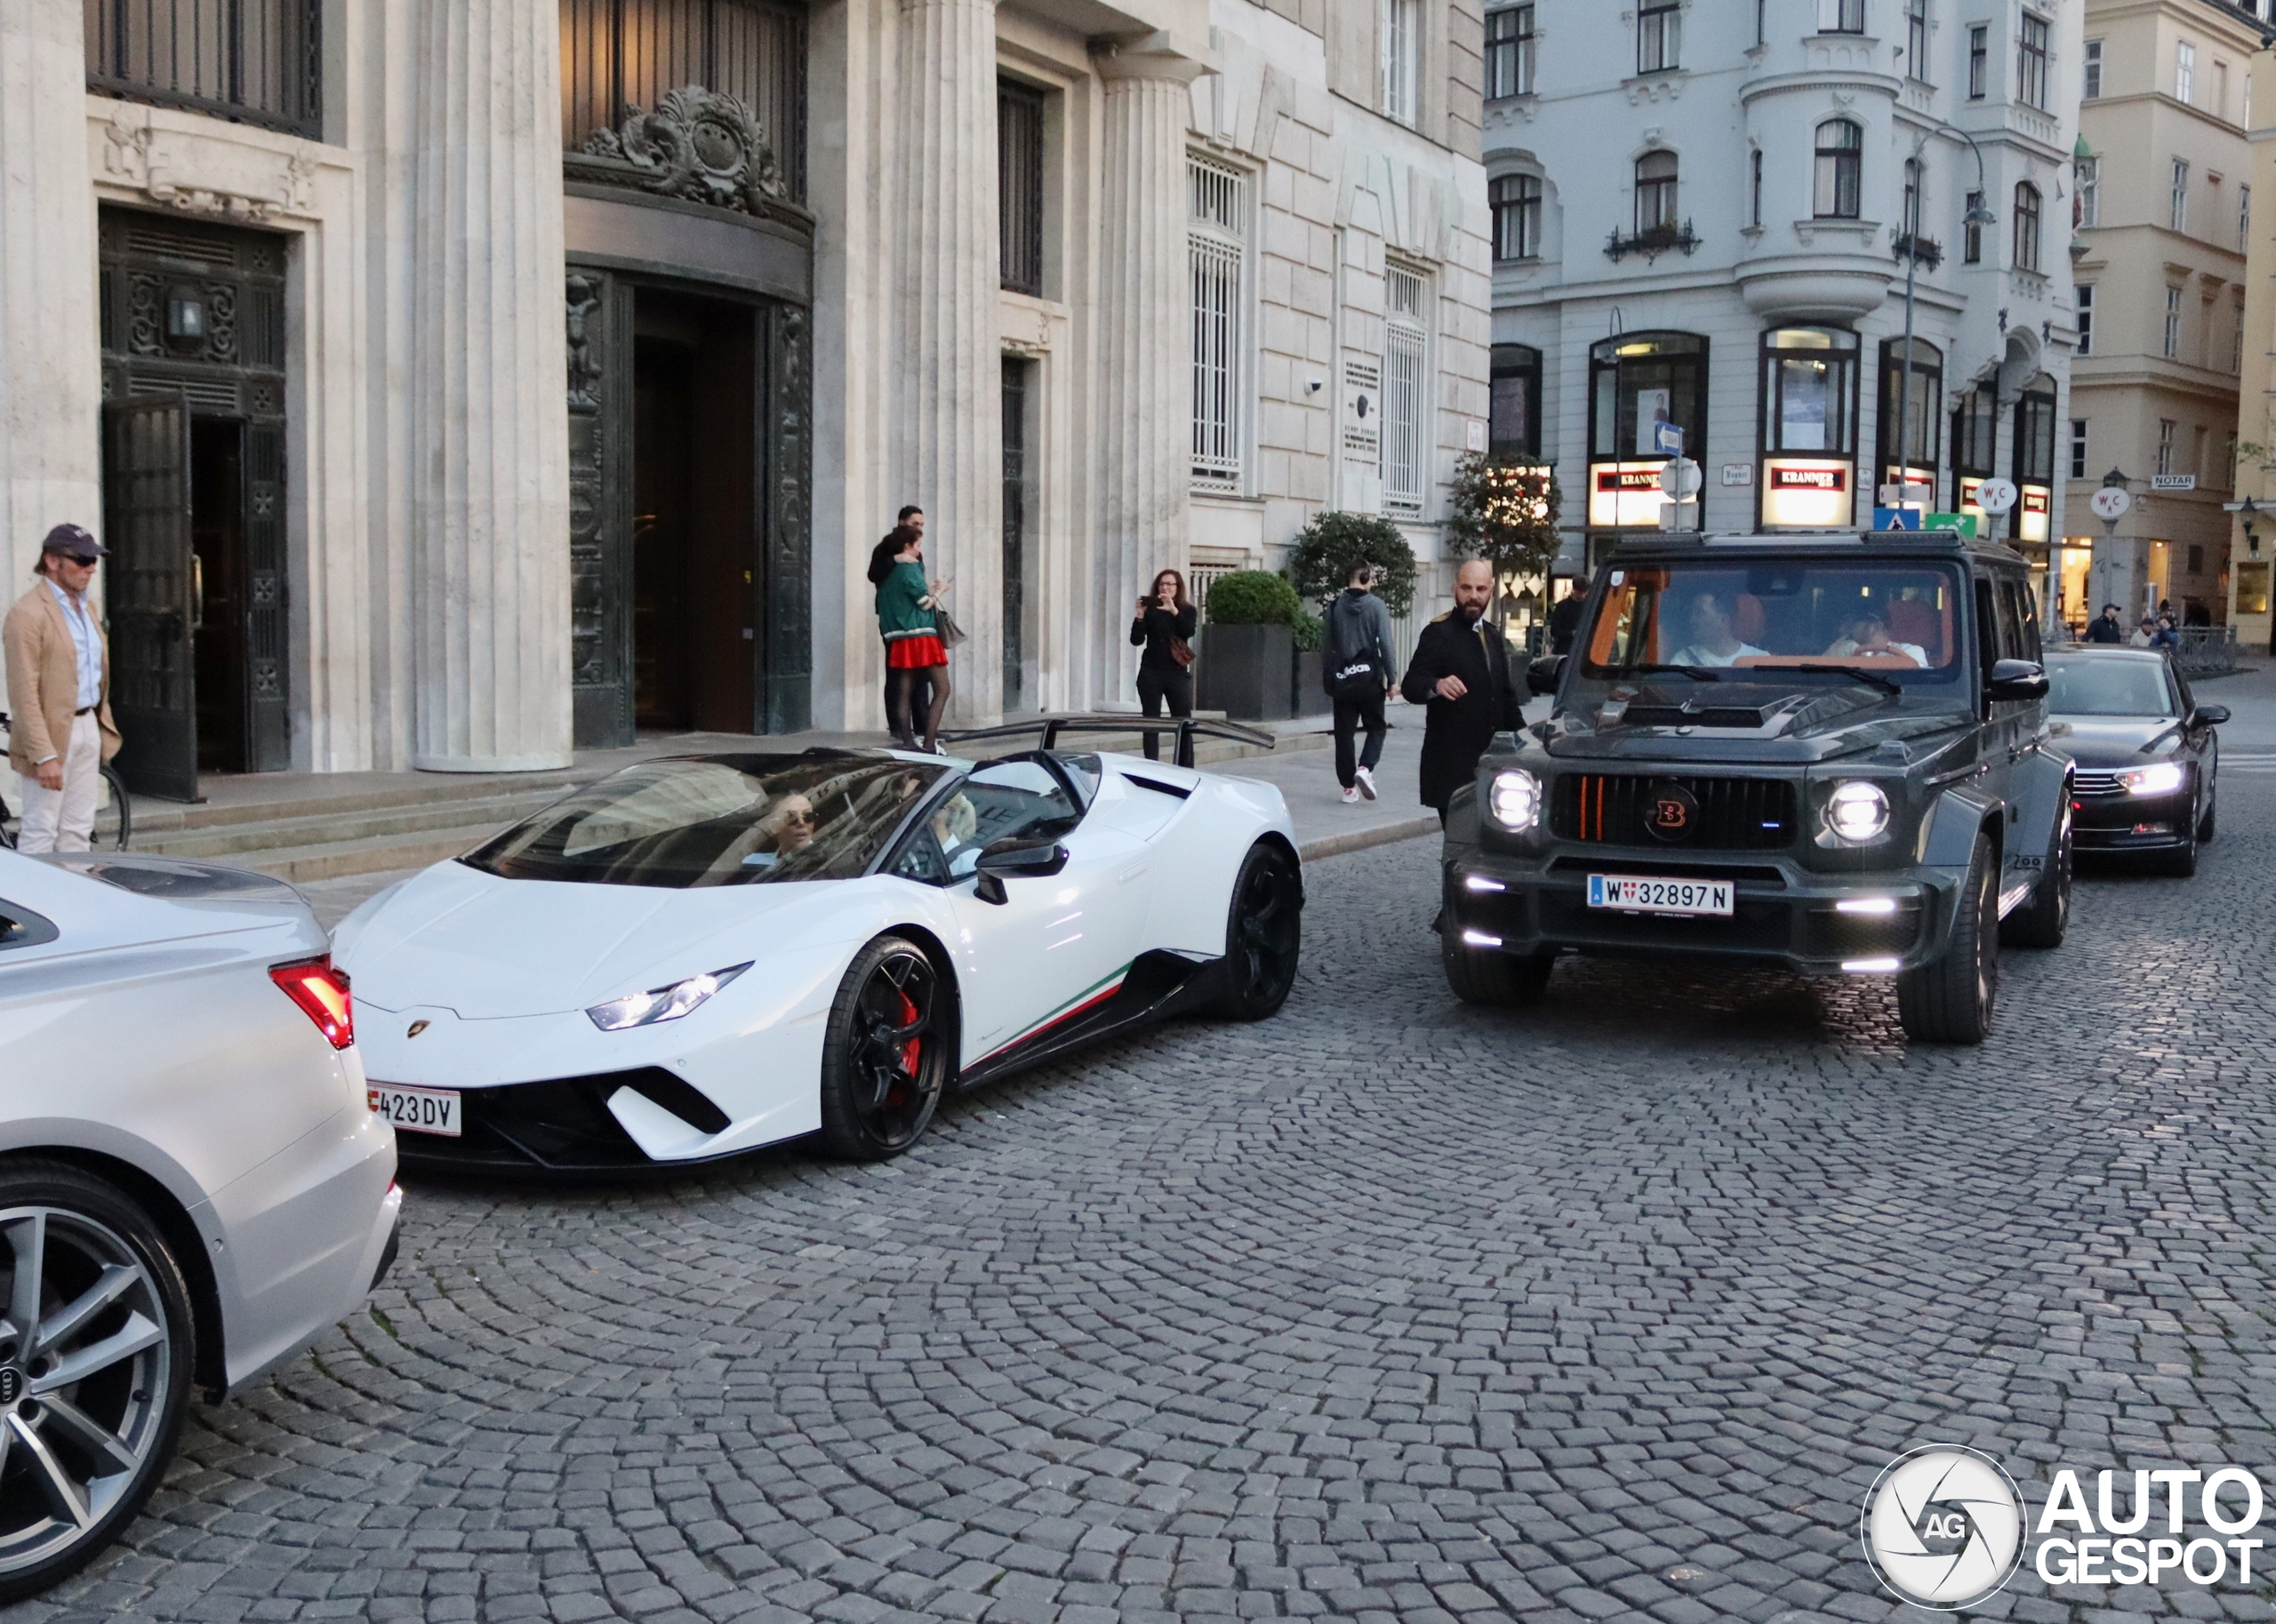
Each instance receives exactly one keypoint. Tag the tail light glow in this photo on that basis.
(322, 993)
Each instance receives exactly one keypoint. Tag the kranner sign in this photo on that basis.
(1809, 479)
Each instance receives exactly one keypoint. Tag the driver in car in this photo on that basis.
(1868, 634)
(1714, 636)
(786, 829)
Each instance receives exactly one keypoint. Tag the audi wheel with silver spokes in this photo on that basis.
(95, 1357)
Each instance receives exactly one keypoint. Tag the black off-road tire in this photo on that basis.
(89, 1227)
(1264, 935)
(1949, 1000)
(875, 1105)
(1498, 979)
(2042, 922)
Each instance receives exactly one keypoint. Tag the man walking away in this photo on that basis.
(59, 695)
(2106, 628)
(1356, 666)
(1460, 670)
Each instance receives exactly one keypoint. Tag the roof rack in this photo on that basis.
(1186, 728)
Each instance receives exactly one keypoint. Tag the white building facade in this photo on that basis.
(459, 385)
(1711, 227)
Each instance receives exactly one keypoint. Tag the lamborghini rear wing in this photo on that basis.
(1186, 728)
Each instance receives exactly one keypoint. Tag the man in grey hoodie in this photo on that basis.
(1356, 665)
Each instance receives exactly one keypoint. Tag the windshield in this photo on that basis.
(2092, 687)
(717, 820)
(1900, 620)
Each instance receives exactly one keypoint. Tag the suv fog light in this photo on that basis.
(1857, 812)
(2162, 779)
(1516, 799)
(1868, 966)
(1479, 938)
(1877, 906)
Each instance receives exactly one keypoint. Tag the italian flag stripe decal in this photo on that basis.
(1090, 997)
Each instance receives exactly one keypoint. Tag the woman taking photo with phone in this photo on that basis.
(1164, 627)
(906, 618)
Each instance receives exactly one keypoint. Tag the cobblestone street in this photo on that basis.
(1389, 1309)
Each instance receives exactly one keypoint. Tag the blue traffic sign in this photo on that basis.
(1896, 518)
(1669, 438)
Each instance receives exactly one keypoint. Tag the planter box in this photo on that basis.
(1307, 695)
(1242, 671)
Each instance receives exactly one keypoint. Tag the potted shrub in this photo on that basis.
(1247, 641)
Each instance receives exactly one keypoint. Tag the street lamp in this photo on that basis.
(1978, 216)
(2248, 515)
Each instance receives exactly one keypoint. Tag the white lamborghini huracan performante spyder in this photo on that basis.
(701, 955)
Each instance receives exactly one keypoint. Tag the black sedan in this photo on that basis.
(2146, 751)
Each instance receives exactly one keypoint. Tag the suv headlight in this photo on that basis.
(1516, 799)
(661, 1003)
(2163, 779)
(1857, 812)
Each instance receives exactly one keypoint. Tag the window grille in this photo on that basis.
(1018, 184)
(255, 61)
(618, 54)
(1406, 390)
(1217, 252)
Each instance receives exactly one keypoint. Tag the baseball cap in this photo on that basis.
(74, 543)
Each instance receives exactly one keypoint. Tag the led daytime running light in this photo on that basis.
(661, 1004)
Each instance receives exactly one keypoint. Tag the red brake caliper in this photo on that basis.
(908, 1050)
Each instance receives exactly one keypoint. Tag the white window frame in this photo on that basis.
(1407, 393)
(2090, 79)
(1659, 35)
(2177, 204)
(2086, 295)
(1217, 241)
(1402, 45)
(2079, 458)
(1841, 16)
(2184, 73)
(2172, 349)
(2165, 425)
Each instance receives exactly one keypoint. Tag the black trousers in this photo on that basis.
(1348, 715)
(1156, 684)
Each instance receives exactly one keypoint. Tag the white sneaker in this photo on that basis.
(1351, 797)
(1367, 783)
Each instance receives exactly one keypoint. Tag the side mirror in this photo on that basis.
(2016, 679)
(1013, 859)
(2209, 716)
(1543, 676)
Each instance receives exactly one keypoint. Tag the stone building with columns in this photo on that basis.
(460, 385)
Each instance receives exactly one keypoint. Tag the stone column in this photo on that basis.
(1145, 365)
(50, 378)
(946, 399)
(489, 453)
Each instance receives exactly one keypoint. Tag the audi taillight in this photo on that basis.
(322, 993)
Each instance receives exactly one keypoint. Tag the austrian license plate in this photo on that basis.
(1639, 894)
(418, 1110)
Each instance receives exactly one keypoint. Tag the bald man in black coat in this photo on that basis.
(1460, 670)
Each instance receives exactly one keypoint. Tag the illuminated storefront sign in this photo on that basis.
(1807, 493)
(1624, 495)
(2032, 513)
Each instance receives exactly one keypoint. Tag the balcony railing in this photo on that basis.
(1653, 241)
(254, 61)
(1922, 250)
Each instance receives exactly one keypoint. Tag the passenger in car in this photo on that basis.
(1714, 637)
(1868, 634)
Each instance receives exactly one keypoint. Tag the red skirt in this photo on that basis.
(914, 654)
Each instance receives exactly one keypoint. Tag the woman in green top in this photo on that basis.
(906, 601)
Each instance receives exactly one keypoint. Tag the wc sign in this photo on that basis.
(1945, 1527)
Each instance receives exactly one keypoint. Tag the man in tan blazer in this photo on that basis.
(59, 695)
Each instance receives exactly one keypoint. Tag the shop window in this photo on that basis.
(1637, 382)
(1810, 426)
(1910, 426)
(1513, 433)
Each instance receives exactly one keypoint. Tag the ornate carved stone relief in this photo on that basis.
(198, 175)
(700, 145)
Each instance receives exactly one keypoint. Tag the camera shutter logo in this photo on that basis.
(1943, 1526)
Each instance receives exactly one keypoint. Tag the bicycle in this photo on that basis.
(114, 821)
